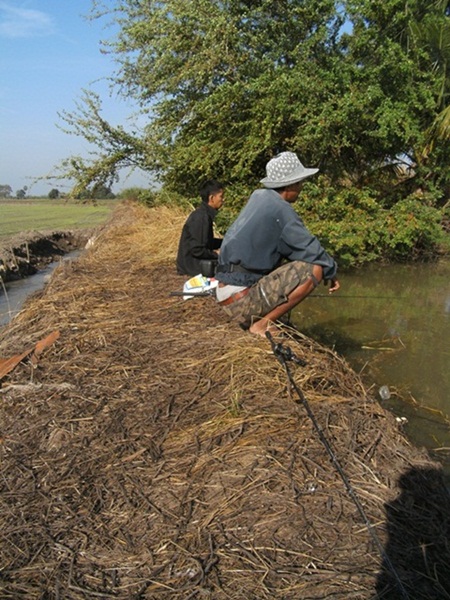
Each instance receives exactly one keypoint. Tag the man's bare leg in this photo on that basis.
(295, 297)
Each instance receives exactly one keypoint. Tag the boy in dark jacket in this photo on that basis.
(197, 240)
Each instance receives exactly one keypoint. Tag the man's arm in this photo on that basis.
(297, 243)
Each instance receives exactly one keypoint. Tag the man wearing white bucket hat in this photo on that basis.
(269, 262)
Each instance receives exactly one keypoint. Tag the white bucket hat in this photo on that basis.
(285, 169)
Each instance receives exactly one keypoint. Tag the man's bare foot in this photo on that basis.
(262, 326)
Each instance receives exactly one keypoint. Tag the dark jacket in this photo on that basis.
(266, 232)
(197, 240)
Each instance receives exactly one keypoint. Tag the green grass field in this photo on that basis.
(20, 216)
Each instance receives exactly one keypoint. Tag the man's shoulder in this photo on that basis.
(269, 197)
(265, 193)
(270, 202)
(198, 211)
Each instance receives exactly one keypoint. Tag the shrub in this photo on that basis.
(412, 230)
(354, 227)
(346, 221)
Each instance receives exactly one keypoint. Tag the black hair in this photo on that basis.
(210, 187)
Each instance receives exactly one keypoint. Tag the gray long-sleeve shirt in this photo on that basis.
(266, 231)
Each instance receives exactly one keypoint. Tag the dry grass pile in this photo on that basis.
(156, 451)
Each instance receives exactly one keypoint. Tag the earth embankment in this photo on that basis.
(151, 449)
(23, 255)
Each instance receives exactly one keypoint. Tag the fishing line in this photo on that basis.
(355, 296)
(284, 355)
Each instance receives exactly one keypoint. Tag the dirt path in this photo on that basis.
(154, 451)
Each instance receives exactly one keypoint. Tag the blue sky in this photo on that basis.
(49, 53)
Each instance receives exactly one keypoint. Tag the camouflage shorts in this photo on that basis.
(270, 291)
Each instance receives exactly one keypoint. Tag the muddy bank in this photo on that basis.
(152, 450)
(25, 254)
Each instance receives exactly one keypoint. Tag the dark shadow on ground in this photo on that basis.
(417, 553)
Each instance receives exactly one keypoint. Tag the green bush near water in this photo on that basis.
(355, 228)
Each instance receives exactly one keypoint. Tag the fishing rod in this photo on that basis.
(212, 291)
(284, 355)
(205, 293)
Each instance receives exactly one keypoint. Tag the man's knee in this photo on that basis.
(316, 275)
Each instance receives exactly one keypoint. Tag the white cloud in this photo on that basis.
(23, 22)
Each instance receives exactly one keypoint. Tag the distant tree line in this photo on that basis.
(100, 192)
(358, 88)
(6, 191)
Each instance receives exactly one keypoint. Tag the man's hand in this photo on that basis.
(334, 285)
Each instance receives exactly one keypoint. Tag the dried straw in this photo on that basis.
(156, 450)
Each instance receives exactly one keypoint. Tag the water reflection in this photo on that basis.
(14, 293)
(392, 324)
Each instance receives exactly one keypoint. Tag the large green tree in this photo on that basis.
(219, 81)
(397, 64)
(432, 32)
(225, 84)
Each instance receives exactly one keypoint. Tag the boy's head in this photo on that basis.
(212, 192)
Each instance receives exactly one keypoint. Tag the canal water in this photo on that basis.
(14, 293)
(392, 324)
